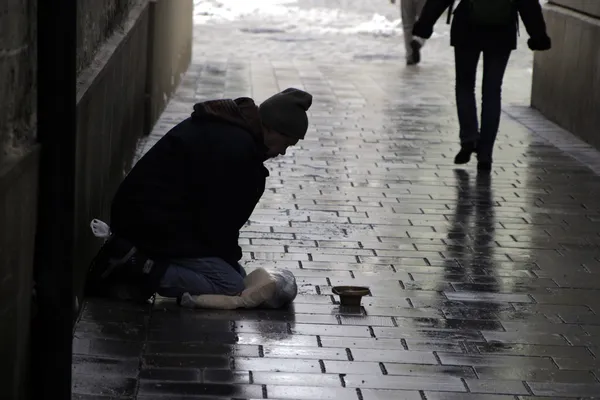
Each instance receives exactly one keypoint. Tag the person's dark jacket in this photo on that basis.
(465, 34)
(197, 186)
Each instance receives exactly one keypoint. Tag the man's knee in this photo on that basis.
(201, 276)
(220, 272)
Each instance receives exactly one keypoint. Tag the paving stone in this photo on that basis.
(565, 389)
(93, 365)
(199, 389)
(279, 365)
(171, 374)
(276, 339)
(104, 385)
(331, 330)
(399, 356)
(520, 373)
(191, 349)
(296, 379)
(533, 350)
(429, 370)
(466, 396)
(495, 360)
(496, 386)
(382, 394)
(477, 284)
(439, 383)
(309, 393)
(225, 376)
(186, 361)
(305, 353)
(106, 347)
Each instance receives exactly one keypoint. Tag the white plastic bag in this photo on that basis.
(264, 289)
(286, 289)
(100, 229)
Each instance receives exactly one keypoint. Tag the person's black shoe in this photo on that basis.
(120, 271)
(484, 166)
(464, 155)
(416, 51)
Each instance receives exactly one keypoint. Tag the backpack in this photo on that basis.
(492, 12)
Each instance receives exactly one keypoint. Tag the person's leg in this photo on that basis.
(466, 60)
(409, 17)
(494, 67)
(419, 5)
(197, 276)
(417, 43)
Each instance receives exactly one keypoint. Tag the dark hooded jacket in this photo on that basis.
(465, 34)
(192, 192)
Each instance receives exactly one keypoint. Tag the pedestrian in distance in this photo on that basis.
(409, 12)
(488, 27)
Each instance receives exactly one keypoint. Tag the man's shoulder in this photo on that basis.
(213, 130)
(217, 136)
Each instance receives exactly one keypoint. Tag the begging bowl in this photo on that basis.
(350, 295)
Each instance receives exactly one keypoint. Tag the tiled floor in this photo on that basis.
(482, 288)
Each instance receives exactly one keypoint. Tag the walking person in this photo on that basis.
(488, 27)
(410, 11)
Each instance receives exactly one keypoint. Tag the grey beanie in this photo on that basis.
(285, 112)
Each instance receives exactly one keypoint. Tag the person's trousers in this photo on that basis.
(494, 66)
(196, 276)
(410, 11)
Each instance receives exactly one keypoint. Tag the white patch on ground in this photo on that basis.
(231, 10)
(287, 16)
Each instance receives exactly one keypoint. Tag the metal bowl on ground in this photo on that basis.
(350, 296)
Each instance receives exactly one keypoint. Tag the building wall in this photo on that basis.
(96, 22)
(589, 7)
(170, 52)
(17, 78)
(566, 79)
(18, 205)
(114, 51)
(18, 188)
(110, 121)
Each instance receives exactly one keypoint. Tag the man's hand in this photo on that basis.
(542, 43)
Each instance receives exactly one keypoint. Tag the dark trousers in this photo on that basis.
(494, 66)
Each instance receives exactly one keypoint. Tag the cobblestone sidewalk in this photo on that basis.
(481, 288)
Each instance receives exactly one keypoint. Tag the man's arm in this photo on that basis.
(224, 187)
(432, 11)
(533, 19)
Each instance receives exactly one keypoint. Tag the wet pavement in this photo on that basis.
(481, 287)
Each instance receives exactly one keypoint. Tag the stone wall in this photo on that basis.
(18, 205)
(566, 79)
(114, 42)
(589, 7)
(170, 52)
(17, 78)
(110, 121)
(96, 22)
(121, 93)
(18, 189)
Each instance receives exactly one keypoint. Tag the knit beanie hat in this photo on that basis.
(285, 112)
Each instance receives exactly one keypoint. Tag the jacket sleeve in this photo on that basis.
(533, 18)
(432, 11)
(223, 186)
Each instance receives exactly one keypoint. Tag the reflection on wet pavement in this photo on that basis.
(482, 287)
